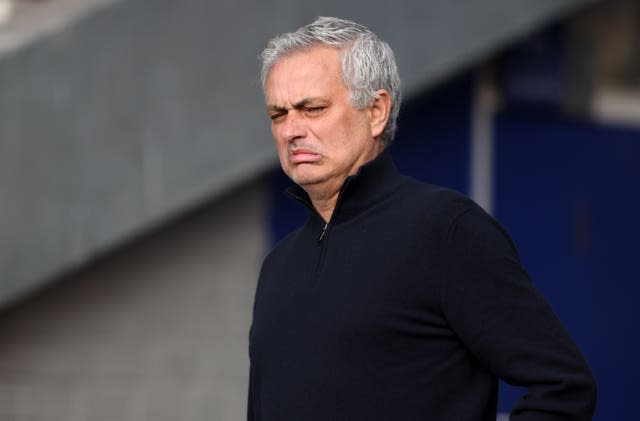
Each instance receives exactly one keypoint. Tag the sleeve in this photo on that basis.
(504, 321)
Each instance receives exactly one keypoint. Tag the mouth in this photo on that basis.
(301, 156)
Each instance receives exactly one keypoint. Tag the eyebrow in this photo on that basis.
(297, 106)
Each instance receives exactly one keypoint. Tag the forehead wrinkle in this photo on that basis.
(301, 72)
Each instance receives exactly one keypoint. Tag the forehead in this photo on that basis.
(313, 72)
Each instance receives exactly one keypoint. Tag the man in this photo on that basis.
(397, 300)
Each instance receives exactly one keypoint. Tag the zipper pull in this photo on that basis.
(324, 231)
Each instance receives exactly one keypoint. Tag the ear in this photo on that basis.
(380, 110)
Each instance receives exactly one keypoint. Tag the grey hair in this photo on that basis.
(368, 63)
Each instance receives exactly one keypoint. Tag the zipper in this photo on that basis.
(323, 245)
(322, 237)
(323, 232)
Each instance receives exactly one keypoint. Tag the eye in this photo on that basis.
(315, 110)
(275, 116)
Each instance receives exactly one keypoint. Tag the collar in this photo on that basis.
(374, 181)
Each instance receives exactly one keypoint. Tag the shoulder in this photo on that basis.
(434, 203)
(460, 219)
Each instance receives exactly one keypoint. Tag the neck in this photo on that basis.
(324, 198)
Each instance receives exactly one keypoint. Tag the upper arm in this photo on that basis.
(507, 324)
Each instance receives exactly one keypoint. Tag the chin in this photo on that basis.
(306, 180)
(303, 178)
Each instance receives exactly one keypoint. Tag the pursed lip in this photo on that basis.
(299, 156)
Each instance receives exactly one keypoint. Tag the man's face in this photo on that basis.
(321, 137)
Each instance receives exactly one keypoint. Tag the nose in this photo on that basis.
(293, 127)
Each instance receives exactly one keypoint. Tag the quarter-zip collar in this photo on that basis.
(374, 181)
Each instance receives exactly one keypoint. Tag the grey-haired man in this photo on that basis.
(396, 300)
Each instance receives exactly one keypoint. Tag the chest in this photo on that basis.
(365, 283)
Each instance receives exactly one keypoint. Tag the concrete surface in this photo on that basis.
(157, 331)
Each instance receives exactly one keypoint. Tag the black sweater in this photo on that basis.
(407, 306)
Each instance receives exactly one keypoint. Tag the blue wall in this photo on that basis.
(567, 192)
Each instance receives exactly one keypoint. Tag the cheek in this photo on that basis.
(334, 133)
(282, 153)
(280, 144)
(274, 134)
(349, 133)
(280, 147)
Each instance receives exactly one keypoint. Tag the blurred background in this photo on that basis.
(140, 189)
